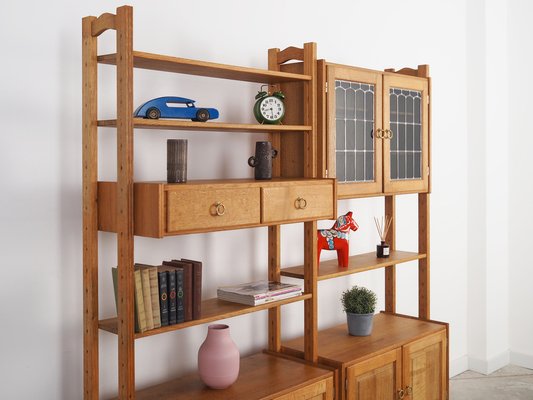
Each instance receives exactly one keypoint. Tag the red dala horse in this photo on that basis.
(336, 238)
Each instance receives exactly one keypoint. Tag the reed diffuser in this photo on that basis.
(383, 226)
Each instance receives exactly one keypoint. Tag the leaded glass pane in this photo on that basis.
(354, 126)
(406, 127)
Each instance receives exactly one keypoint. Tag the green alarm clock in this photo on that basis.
(269, 108)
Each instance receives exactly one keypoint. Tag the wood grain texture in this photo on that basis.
(281, 204)
(275, 137)
(377, 378)
(126, 325)
(424, 264)
(177, 124)
(390, 272)
(337, 347)
(309, 110)
(274, 262)
(358, 263)
(90, 212)
(186, 209)
(212, 310)
(321, 119)
(290, 53)
(424, 367)
(103, 23)
(310, 286)
(261, 377)
(202, 68)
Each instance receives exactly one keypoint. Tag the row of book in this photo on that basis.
(257, 293)
(165, 295)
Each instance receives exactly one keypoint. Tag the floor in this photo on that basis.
(508, 383)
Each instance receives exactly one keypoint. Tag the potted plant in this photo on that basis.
(359, 304)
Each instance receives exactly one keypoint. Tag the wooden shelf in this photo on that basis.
(261, 377)
(390, 331)
(202, 68)
(358, 263)
(212, 310)
(179, 124)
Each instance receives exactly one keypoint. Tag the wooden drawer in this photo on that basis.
(205, 207)
(298, 202)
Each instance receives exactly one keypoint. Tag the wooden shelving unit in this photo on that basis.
(114, 206)
(319, 364)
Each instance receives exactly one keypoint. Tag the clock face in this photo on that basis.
(272, 109)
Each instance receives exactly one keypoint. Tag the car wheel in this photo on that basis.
(202, 115)
(153, 113)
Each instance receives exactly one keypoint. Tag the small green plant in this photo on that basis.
(359, 300)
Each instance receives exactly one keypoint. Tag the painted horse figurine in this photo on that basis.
(336, 238)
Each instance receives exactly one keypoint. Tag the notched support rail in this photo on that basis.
(103, 23)
(290, 53)
(422, 71)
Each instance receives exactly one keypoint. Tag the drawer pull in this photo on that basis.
(401, 394)
(300, 203)
(220, 208)
(409, 390)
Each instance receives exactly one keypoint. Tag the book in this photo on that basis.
(162, 280)
(260, 292)
(147, 296)
(139, 301)
(197, 288)
(187, 286)
(180, 310)
(153, 298)
(171, 274)
(114, 273)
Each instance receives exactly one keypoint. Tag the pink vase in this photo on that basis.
(218, 358)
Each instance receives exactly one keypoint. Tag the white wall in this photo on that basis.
(40, 210)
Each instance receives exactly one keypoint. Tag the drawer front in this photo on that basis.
(298, 202)
(198, 209)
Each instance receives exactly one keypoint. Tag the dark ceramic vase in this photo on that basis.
(262, 161)
(177, 160)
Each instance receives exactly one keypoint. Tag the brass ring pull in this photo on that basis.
(390, 134)
(380, 134)
(409, 390)
(401, 394)
(220, 208)
(300, 203)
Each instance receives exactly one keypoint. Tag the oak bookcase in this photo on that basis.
(305, 368)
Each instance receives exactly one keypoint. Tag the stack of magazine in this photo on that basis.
(256, 293)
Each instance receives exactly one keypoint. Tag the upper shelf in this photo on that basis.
(203, 68)
(358, 263)
(179, 124)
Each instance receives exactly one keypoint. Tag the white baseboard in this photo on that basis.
(458, 366)
(489, 366)
(522, 360)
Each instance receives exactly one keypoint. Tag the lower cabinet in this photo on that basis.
(322, 390)
(416, 371)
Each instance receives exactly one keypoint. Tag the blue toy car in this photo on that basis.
(174, 107)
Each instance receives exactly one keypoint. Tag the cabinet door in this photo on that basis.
(376, 379)
(424, 370)
(354, 115)
(405, 115)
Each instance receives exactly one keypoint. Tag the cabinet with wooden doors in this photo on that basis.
(404, 358)
(159, 209)
(374, 129)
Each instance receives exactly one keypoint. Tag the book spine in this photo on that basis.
(180, 313)
(139, 302)
(171, 297)
(187, 291)
(197, 290)
(147, 297)
(154, 291)
(163, 297)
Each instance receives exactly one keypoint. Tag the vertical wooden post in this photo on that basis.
(310, 108)
(90, 212)
(423, 264)
(126, 324)
(275, 137)
(274, 313)
(321, 121)
(310, 286)
(390, 272)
